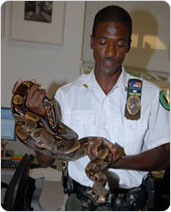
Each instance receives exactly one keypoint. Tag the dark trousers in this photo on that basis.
(122, 200)
(75, 204)
(134, 199)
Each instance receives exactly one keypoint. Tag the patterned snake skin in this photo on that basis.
(52, 137)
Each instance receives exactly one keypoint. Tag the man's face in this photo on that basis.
(110, 45)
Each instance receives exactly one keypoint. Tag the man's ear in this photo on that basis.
(91, 41)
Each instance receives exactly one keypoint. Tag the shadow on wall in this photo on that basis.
(144, 39)
(53, 88)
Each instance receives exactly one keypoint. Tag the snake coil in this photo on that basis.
(51, 136)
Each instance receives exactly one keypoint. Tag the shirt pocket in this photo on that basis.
(129, 133)
(140, 124)
(82, 122)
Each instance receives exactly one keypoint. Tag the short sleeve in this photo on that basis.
(58, 96)
(60, 100)
(158, 132)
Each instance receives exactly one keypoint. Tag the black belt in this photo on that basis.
(119, 199)
(80, 188)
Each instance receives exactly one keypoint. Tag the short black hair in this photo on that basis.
(115, 14)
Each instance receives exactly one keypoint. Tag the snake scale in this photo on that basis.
(51, 136)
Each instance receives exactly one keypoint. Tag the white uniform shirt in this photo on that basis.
(90, 112)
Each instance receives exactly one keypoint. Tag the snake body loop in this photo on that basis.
(51, 136)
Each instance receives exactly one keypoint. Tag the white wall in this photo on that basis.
(51, 65)
(150, 37)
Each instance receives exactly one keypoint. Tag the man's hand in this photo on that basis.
(34, 101)
(93, 149)
(115, 151)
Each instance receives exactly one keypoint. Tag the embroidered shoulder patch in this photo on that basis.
(164, 101)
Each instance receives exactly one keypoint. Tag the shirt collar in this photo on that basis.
(122, 80)
(91, 81)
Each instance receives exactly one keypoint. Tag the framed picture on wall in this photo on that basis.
(38, 21)
(3, 7)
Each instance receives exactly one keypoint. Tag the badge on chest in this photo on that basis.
(133, 104)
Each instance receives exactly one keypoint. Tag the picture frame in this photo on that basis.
(25, 28)
(3, 19)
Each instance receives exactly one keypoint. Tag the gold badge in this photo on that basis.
(133, 105)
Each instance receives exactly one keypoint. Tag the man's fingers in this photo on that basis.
(33, 81)
(38, 95)
(35, 98)
(32, 91)
(18, 82)
(92, 149)
(114, 150)
(16, 85)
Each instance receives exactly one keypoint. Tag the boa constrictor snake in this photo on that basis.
(51, 136)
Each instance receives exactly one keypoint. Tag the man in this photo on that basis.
(104, 104)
